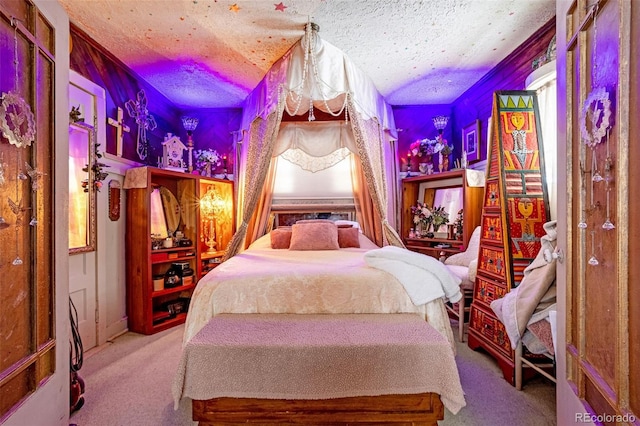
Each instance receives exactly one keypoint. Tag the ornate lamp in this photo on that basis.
(440, 122)
(190, 124)
(211, 206)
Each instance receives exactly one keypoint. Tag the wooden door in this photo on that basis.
(598, 52)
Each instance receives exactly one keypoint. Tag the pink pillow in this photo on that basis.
(348, 237)
(314, 236)
(280, 238)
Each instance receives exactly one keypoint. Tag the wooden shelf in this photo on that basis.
(173, 290)
(208, 255)
(144, 305)
(163, 324)
(175, 259)
(424, 188)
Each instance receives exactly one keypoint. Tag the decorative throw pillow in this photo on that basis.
(348, 237)
(280, 238)
(314, 236)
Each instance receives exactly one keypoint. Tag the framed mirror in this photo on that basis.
(82, 197)
(171, 208)
(165, 213)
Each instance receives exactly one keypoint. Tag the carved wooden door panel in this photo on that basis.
(27, 338)
(601, 50)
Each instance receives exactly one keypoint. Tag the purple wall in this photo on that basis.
(214, 129)
(475, 104)
(416, 122)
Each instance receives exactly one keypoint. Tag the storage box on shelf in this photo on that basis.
(164, 243)
(464, 185)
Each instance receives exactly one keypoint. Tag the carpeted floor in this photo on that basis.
(128, 382)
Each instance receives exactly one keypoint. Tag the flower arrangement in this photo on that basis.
(423, 147)
(458, 223)
(439, 217)
(421, 215)
(443, 147)
(205, 158)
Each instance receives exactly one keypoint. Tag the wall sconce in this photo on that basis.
(212, 206)
(190, 124)
(440, 122)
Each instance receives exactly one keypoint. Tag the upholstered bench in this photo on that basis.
(318, 369)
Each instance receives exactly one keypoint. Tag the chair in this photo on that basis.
(464, 265)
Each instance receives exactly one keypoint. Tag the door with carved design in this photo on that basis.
(599, 134)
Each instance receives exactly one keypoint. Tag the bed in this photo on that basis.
(264, 281)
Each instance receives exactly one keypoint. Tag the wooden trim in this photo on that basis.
(412, 409)
(622, 196)
(515, 55)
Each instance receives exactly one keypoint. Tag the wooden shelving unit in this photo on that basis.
(424, 188)
(150, 311)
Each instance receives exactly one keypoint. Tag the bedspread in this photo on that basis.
(264, 280)
(317, 357)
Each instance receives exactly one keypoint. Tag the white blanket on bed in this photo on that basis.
(423, 277)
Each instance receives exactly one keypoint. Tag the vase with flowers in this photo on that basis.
(439, 217)
(422, 218)
(423, 150)
(458, 224)
(206, 160)
(444, 150)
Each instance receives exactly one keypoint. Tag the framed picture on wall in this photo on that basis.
(471, 141)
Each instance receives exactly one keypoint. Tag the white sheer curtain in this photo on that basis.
(543, 81)
(315, 145)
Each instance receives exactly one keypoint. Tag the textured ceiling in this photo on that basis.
(212, 53)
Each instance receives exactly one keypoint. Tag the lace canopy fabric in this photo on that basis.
(323, 78)
(312, 74)
(315, 146)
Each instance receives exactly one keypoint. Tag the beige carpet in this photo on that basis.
(128, 382)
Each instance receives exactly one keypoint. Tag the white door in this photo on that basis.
(82, 266)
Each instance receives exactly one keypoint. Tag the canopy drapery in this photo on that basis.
(315, 145)
(313, 74)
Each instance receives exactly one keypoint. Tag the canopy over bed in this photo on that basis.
(314, 74)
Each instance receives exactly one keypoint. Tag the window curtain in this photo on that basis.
(260, 219)
(315, 146)
(255, 168)
(369, 138)
(365, 212)
(545, 87)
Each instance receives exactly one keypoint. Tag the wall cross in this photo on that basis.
(118, 123)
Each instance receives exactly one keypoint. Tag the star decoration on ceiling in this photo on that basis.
(280, 6)
(234, 8)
